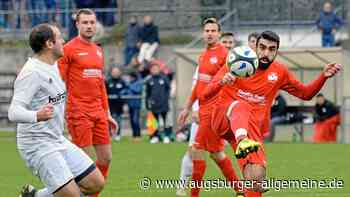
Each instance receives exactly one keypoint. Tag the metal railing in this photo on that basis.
(175, 14)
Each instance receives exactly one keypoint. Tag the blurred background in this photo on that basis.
(179, 28)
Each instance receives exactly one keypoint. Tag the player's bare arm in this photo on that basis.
(113, 124)
(184, 113)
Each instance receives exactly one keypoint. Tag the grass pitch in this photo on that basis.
(134, 161)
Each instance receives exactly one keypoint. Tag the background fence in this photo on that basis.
(16, 17)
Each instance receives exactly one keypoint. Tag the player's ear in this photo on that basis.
(49, 44)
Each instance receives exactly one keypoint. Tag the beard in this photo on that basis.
(264, 65)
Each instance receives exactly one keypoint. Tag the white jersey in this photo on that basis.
(36, 85)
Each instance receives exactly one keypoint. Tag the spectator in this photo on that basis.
(131, 38)
(44, 11)
(252, 40)
(134, 92)
(84, 4)
(116, 88)
(4, 18)
(157, 101)
(327, 119)
(278, 116)
(149, 40)
(163, 68)
(72, 30)
(328, 23)
(106, 17)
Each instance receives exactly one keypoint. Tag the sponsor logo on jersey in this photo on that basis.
(213, 60)
(59, 98)
(251, 97)
(92, 73)
(204, 77)
(272, 77)
(83, 53)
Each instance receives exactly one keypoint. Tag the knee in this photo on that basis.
(99, 185)
(197, 154)
(95, 185)
(218, 156)
(255, 173)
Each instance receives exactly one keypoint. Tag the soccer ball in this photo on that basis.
(242, 61)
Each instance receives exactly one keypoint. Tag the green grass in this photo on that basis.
(132, 162)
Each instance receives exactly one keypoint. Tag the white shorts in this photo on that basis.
(194, 129)
(59, 167)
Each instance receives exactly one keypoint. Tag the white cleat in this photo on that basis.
(117, 138)
(154, 140)
(166, 140)
(181, 192)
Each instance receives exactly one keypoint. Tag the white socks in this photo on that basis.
(186, 168)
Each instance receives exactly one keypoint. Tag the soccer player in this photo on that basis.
(210, 61)
(88, 116)
(243, 104)
(252, 37)
(38, 109)
(186, 163)
(227, 40)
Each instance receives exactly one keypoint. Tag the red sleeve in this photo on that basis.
(193, 97)
(63, 63)
(214, 86)
(298, 89)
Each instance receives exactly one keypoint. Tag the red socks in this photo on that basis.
(104, 170)
(228, 171)
(252, 194)
(197, 176)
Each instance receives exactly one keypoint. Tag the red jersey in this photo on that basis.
(81, 67)
(260, 89)
(210, 62)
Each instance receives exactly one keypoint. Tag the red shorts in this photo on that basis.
(207, 139)
(89, 129)
(240, 117)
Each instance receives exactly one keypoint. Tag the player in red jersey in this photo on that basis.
(210, 61)
(243, 104)
(87, 110)
(227, 40)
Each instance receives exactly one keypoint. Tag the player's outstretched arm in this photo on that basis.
(330, 70)
(307, 92)
(221, 78)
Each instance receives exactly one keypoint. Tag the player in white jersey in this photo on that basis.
(227, 39)
(37, 107)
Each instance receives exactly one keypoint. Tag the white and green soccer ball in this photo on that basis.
(242, 61)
